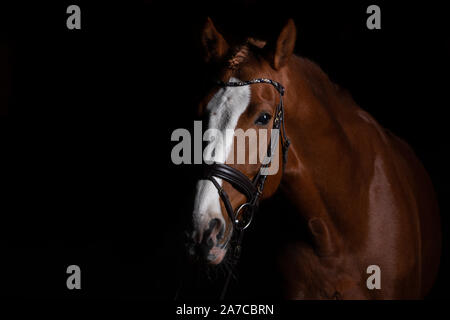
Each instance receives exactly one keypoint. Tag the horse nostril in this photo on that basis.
(210, 236)
(213, 223)
(217, 229)
(220, 234)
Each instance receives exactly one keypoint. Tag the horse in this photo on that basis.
(363, 195)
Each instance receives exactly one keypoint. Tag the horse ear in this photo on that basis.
(214, 45)
(321, 236)
(285, 45)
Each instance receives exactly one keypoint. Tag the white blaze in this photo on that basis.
(224, 109)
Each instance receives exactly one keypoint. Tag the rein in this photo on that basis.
(252, 189)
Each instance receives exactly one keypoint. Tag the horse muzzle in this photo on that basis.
(209, 245)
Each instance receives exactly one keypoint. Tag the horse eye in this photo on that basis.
(263, 119)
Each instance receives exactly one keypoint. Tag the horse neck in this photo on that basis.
(319, 162)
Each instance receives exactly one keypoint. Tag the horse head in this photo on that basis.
(243, 112)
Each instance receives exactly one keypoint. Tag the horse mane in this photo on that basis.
(324, 89)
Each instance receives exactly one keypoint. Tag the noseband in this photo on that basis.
(251, 188)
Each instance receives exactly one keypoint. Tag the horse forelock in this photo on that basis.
(241, 53)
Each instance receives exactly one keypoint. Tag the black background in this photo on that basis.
(87, 117)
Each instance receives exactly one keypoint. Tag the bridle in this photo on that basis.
(252, 189)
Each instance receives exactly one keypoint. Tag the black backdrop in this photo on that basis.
(87, 115)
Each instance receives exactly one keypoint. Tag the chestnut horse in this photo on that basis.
(363, 194)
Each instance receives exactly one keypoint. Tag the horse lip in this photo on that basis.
(211, 257)
(216, 256)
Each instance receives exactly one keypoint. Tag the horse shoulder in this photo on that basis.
(402, 205)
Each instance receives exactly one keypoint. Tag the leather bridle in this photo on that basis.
(252, 189)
